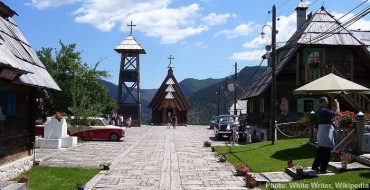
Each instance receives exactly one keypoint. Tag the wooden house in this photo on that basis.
(169, 99)
(21, 75)
(321, 45)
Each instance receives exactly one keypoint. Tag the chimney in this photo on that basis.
(301, 14)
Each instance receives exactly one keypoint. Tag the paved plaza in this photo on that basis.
(150, 157)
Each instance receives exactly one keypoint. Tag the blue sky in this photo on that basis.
(206, 37)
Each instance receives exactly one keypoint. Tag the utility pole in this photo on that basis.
(273, 75)
(225, 95)
(235, 79)
(218, 100)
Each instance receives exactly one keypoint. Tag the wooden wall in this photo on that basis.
(17, 130)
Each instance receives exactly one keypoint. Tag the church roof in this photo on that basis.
(17, 55)
(169, 91)
(130, 44)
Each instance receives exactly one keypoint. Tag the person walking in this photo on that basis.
(128, 122)
(169, 120)
(325, 133)
(174, 121)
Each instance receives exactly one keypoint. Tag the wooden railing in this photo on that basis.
(358, 101)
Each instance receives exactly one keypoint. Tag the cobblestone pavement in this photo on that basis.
(151, 157)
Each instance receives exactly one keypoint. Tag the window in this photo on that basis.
(308, 105)
(262, 105)
(313, 59)
(250, 106)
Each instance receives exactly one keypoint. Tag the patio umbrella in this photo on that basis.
(331, 84)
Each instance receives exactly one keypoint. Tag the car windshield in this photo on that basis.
(98, 122)
(226, 119)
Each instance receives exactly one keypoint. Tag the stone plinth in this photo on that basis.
(55, 129)
(55, 133)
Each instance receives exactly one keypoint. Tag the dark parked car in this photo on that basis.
(225, 124)
(213, 121)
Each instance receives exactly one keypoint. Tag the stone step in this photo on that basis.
(307, 172)
(364, 159)
(337, 166)
(12, 185)
(272, 177)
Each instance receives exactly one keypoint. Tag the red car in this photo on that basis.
(98, 130)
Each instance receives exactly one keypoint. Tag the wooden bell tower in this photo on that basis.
(128, 93)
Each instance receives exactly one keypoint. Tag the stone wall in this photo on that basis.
(11, 170)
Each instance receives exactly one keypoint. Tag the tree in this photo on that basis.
(82, 95)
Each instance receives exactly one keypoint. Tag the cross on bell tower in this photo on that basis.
(128, 92)
(131, 25)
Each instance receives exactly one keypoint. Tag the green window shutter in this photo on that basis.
(262, 105)
(300, 105)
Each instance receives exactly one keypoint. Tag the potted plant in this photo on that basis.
(80, 186)
(345, 120)
(213, 149)
(299, 170)
(345, 159)
(207, 144)
(222, 157)
(241, 169)
(290, 163)
(105, 165)
(250, 181)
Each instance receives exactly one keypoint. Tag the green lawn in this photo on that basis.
(46, 178)
(265, 157)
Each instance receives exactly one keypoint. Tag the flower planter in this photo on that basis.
(240, 173)
(106, 167)
(222, 159)
(299, 171)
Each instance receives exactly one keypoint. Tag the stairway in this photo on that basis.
(359, 102)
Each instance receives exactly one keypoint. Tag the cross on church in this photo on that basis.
(170, 58)
(131, 25)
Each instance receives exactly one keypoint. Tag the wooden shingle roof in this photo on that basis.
(313, 32)
(169, 91)
(130, 44)
(17, 54)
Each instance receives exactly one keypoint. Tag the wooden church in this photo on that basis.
(169, 99)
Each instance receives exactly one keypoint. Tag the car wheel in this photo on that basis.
(113, 137)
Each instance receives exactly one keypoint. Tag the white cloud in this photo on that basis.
(362, 24)
(43, 4)
(170, 25)
(240, 30)
(153, 17)
(214, 19)
(286, 26)
(252, 55)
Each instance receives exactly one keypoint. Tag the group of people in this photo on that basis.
(118, 120)
(171, 120)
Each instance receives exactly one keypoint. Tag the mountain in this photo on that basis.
(146, 95)
(201, 94)
(112, 88)
(204, 101)
(189, 86)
